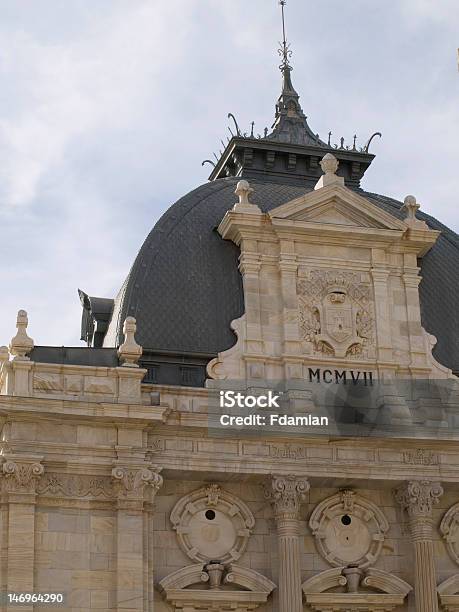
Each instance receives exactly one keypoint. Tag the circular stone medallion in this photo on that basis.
(212, 525)
(349, 530)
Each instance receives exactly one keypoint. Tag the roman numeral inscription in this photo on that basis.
(343, 377)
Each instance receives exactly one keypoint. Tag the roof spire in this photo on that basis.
(284, 51)
(290, 123)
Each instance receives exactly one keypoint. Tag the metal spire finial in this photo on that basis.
(284, 50)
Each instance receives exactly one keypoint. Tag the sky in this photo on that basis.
(107, 109)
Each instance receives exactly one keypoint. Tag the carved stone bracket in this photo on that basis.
(286, 493)
(21, 476)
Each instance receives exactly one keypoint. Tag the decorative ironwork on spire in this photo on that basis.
(290, 123)
(284, 50)
(290, 127)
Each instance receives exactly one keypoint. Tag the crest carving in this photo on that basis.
(337, 313)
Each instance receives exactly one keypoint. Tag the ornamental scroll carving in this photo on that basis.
(286, 493)
(130, 482)
(21, 477)
(349, 530)
(336, 313)
(418, 497)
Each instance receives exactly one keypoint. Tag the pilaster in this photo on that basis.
(135, 488)
(20, 477)
(380, 276)
(286, 493)
(418, 497)
(250, 265)
(288, 267)
(411, 280)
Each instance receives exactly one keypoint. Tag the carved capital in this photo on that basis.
(130, 482)
(286, 493)
(21, 476)
(418, 497)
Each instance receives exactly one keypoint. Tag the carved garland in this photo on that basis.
(79, 485)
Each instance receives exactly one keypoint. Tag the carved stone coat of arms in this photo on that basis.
(336, 313)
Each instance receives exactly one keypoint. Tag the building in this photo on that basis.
(124, 488)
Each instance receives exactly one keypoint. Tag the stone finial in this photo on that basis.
(243, 191)
(411, 207)
(21, 344)
(4, 354)
(329, 165)
(129, 352)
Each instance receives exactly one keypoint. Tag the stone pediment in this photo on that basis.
(336, 205)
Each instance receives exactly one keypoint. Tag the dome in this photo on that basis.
(184, 288)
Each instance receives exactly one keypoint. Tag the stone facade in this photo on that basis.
(127, 503)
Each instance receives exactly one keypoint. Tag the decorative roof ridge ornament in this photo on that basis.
(329, 165)
(411, 207)
(129, 352)
(284, 51)
(250, 151)
(21, 344)
(243, 190)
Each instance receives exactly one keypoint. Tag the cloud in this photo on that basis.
(108, 108)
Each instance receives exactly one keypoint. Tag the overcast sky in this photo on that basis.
(107, 109)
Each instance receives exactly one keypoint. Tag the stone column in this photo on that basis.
(135, 487)
(418, 497)
(286, 493)
(20, 478)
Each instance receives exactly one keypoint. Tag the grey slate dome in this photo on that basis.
(185, 288)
